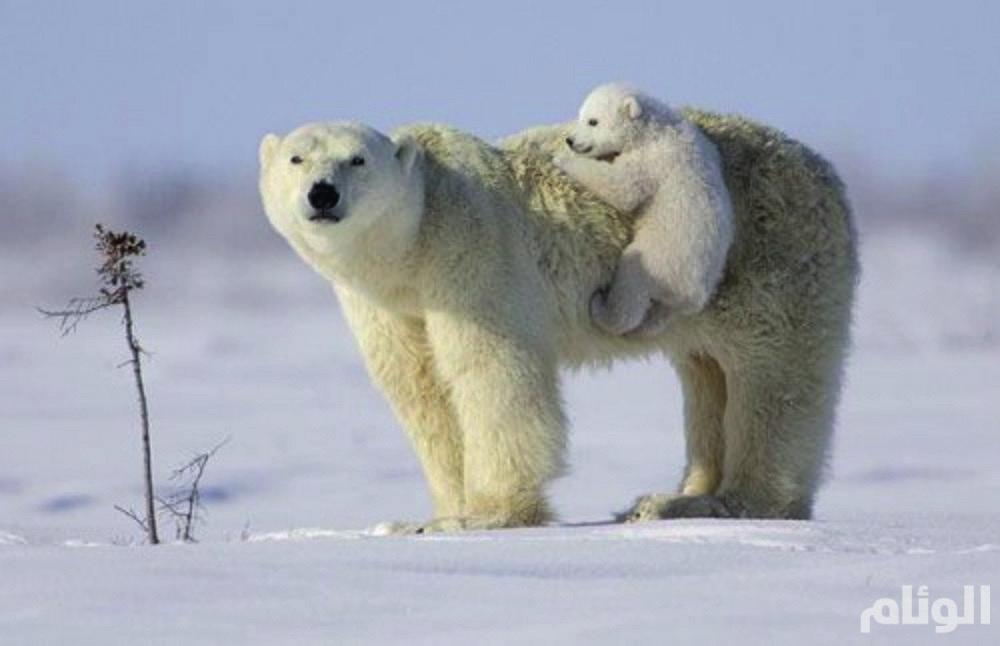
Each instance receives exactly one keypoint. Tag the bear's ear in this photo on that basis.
(268, 147)
(408, 152)
(632, 107)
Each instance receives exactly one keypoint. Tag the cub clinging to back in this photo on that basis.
(641, 156)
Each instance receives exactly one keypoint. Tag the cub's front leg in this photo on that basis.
(504, 389)
(621, 183)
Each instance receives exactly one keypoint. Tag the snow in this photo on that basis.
(289, 552)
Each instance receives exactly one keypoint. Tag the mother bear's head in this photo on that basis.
(342, 192)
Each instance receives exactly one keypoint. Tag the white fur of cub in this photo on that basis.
(641, 156)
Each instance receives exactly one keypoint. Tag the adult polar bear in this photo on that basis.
(465, 272)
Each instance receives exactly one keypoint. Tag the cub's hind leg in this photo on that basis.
(626, 303)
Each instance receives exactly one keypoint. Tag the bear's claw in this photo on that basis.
(664, 506)
(436, 526)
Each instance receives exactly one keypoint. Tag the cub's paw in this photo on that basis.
(656, 320)
(612, 320)
(566, 162)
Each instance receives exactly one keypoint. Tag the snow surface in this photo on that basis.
(316, 458)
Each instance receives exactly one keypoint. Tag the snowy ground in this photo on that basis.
(315, 458)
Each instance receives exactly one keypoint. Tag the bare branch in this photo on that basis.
(198, 462)
(76, 311)
(131, 514)
(183, 506)
(169, 506)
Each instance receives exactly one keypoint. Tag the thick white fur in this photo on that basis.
(642, 156)
(466, 271)
(451, 323)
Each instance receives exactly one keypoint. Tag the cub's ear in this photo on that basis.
(268, 147)
(409, 153)
(632, 107)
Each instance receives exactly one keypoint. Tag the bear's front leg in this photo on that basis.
(504, 389)
(400, 362)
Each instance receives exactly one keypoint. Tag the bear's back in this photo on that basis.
(795, 241)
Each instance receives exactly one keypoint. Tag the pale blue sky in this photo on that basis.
(93, 85)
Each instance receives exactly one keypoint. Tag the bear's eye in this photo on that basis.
(592, 122)
(357, 161)
(296, 159)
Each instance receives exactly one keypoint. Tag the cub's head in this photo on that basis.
(608, 122)
(333, 187)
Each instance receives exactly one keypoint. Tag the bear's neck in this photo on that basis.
(379, 263)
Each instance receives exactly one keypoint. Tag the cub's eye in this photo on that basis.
(357, 161)
(592, 122)
(296, 159)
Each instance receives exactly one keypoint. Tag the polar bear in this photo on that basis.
(465, 272)
(641, 155)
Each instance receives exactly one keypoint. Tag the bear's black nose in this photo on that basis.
(569, 141)
(323, 196)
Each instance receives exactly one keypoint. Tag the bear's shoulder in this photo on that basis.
(457, 166)
(449, 148)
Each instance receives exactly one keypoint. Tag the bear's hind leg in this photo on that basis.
(778, 423)
(704, 387)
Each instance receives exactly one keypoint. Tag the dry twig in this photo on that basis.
(118, 279)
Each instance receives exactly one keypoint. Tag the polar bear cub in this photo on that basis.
(641, 156)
